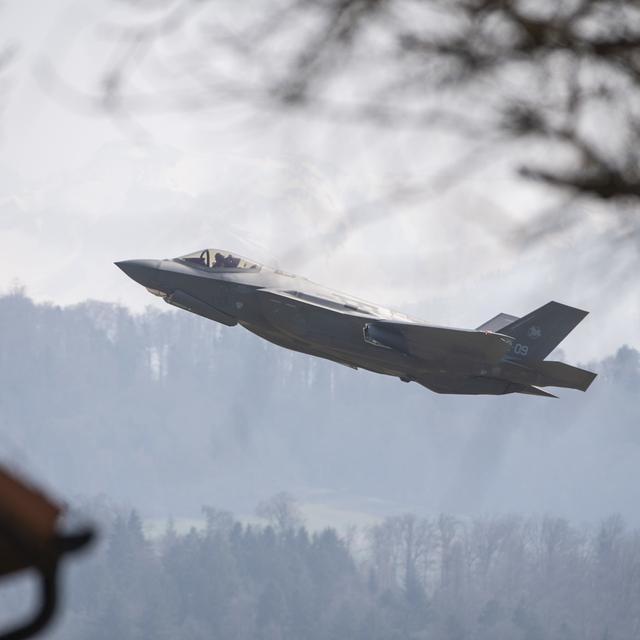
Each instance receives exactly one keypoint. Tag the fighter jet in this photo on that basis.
(503, 355)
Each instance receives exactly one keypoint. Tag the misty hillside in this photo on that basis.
(167, 412)
(439, 578)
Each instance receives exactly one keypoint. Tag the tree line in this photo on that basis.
(167, 411)
(437, 578)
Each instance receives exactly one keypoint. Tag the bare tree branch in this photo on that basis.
(564, 75)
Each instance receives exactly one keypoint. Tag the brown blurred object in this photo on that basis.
(30, 539)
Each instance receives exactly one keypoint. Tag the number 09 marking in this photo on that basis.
(521, 349)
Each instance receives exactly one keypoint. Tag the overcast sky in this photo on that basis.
(78, 191)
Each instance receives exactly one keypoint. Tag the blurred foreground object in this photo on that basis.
(30, 538)
(548, 91)
(532, 78)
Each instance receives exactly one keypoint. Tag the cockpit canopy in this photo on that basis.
(219, 259)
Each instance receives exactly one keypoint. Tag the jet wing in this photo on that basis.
(313, 320)
(417, 340)
(428, 342)
(477, 385)
(301, 300)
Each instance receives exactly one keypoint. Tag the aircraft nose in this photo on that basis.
(144, 272)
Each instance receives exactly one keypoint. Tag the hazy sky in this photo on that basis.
(78, 191)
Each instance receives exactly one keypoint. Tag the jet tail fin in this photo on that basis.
(538, 333)
(497, 323)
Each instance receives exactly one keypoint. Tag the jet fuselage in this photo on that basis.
(295, 313)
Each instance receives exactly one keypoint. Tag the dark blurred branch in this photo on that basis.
(563, 75)
(603, 183)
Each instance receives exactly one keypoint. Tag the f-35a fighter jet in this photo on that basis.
(504, 355)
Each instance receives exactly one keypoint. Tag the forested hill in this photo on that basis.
(166, 412)
(439, 578)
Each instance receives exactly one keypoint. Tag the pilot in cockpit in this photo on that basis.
(219, 261)
(231, 262)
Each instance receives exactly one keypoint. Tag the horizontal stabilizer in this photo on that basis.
(530, 390)
(559, 374)
(497, 322)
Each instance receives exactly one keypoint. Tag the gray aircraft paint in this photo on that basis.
(504, 355)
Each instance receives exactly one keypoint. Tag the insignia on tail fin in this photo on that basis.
(538, 333)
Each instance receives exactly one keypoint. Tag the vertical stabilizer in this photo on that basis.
(538, 333)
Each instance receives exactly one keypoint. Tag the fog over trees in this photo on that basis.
(437, 578)
(167, 412)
